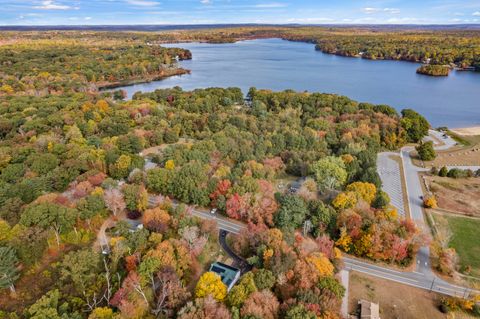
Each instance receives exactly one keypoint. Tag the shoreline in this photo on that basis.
(106, 87)
(308, 41)
(467, 131)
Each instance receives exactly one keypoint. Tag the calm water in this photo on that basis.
(278, 65)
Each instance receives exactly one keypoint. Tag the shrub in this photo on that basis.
(443, 172)
(457, 173)
(430, 202)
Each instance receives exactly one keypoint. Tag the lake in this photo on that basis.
(276, 64)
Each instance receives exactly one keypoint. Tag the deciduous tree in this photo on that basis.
(330, 172)
(114, 200)
(8, 268)
(210, 284)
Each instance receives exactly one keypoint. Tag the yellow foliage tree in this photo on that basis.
(170, 165)
(363, 245)
(267, 254)
(87, 106)
(101, 313)
(121, 167)
(365, 191)
(211, 284)
(222, 171)
(391, 213)
(102, 106)
(7, 89)
(345, 200)
(430, 202)
(142, 200)
(344, 241)
(347, 158)
(337, 253)
(97, 191)
(4, 231)
(321, 263)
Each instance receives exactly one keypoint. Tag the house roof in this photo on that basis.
(369, 310)
(226, 272)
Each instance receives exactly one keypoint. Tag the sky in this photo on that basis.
(118, 12)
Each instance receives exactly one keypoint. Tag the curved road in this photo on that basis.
(423, 277)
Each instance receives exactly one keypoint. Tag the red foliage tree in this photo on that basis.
(237, 207)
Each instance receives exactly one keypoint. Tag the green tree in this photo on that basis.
(415, 125)
(443, 172)
(242, 290)
(332, 285)
(49, 306)
(159, 179)
(299, 312)
(8, 268)
(264, 279)
(330, 172)
(426, 151)
(381, 200)
(44, 163)
(292, 212)
(188, 184)
(46, 215)
(81, 269)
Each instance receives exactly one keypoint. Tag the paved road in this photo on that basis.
(447, 141)
(223, 222)
(423, 277)
(415, 279)
(238, 261)
(414, 191)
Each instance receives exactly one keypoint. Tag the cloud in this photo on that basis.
(271, 5)
(391, 10)
(310, 20)
(143, 3)
(370, 10)
(477, 13)
(206, 1)
(51, 5)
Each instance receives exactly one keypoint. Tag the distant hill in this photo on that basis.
(209, 26)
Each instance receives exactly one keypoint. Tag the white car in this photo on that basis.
(213, 211)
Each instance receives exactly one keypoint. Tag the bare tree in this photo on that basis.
(114, 200)
(96, 300)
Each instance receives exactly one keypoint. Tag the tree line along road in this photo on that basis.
(423, 277)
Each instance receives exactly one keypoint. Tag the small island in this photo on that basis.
(434, 70)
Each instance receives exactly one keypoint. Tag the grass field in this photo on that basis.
(396, 300)
(457, 195)
(465, 238)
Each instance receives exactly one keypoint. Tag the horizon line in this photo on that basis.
(235, 24)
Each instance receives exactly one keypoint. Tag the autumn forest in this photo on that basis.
(97, 192)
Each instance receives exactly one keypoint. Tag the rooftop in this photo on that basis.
(369, 310)
(228, 273)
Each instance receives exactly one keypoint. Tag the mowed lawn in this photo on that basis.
(466, 241)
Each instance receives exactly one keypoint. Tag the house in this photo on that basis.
(369, 310)
(229, 274)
